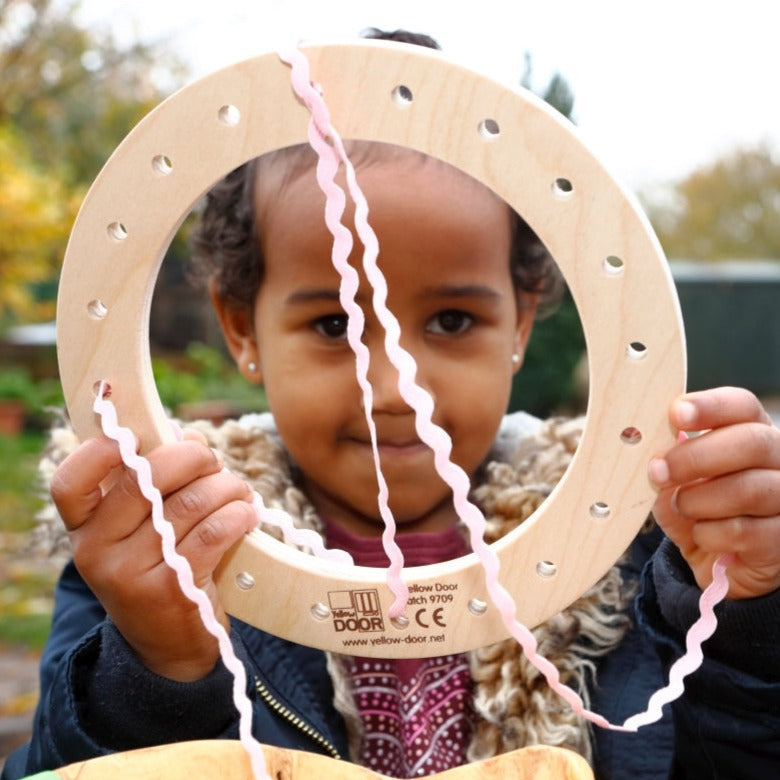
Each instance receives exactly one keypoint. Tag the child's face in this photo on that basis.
(444, 249)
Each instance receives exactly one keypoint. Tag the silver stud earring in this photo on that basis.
(251, 367)
(515, 359)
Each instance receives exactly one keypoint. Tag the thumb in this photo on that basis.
(676, 526)
(76, 484)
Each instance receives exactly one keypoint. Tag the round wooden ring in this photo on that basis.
(525, 152)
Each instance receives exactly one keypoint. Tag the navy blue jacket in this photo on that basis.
(97, 698)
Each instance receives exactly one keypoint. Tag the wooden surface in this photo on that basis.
(109, 274)
(227, 759)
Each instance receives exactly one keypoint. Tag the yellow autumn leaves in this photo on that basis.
(36, 213)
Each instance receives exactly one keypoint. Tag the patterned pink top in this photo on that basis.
(416, 712)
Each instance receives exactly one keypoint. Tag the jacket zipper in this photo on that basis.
(293, 719)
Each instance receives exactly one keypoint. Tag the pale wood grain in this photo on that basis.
(534, 148)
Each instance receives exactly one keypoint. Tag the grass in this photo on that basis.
(19, 492)
(25, 589)
(28, 631)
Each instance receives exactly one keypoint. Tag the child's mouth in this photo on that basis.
(396, 447)
(410, 447)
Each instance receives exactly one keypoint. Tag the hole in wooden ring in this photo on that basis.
(489, 129)
(546, 569)
(229, 115)
(636, 350)
(599, 510)
(97, 309)
(162, 164)
(245, 581)
(613, 265)
(477, 607)
(106, 388)
(117, 231)
(320, 611)
(631, 435)
(400, 622)
(402, 95)
(562, 188)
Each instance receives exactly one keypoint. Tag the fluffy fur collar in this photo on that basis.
(513, 703)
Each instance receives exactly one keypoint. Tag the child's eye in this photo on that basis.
(332, 326)
(451, 321)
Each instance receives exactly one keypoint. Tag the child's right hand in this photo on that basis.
(119, 554)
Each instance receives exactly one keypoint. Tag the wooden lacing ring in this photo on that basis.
(531, 157)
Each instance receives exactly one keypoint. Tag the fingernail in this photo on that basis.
(681, 436)
(685, 412)
(658, 471)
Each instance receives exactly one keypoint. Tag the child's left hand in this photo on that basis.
(720, 491)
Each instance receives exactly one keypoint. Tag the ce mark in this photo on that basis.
(436, 616)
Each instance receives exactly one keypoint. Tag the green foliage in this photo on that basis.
(546, 383)
(25, 588)
(204, 374)
(28, 630)
(558, 93)
(19, 499)
(38, 395)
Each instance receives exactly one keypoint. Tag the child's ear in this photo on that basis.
(527, 305)
(238, 328)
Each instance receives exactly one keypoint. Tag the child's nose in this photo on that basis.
(383, 376)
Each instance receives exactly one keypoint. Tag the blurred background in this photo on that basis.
(677, 100)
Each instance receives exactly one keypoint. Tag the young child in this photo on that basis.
(129, 664)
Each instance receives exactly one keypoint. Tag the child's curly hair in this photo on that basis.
(227, 250)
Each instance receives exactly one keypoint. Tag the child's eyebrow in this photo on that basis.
(316, 294)
(440, 291)
(462, 291)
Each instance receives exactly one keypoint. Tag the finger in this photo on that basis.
(716, 408)
(75, 486)
(753, 492)
(719, 451)
(141, 544)
(756, 544)
(188, 506)
(755, 539)
(676, 526)
(192, 434)
(173, 466)
(208, 540)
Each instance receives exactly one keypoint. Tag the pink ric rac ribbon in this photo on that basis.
(300, 537)
(329, 147)
(180, 565)
(329, 158)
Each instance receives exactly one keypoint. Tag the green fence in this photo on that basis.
(731, 312)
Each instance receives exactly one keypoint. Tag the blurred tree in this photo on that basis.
(728, 209)
(36, 211)
(558, 93)
(73, 92)
(68, 95)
